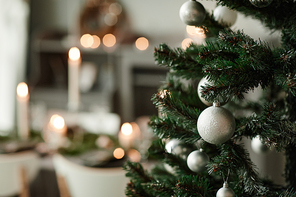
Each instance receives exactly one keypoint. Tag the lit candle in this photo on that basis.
(22, 111)
(55, 133)
(74, 62)
(126, 136)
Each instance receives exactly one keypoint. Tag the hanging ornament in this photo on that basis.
(216, 124)
(197, 160)
(257, 146)
(177, 147)
(261, 3)
(204, 82)
(225, 191)
(223, 14)
(192, 13)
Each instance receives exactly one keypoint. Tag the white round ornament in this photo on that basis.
(225, 191)
(169, 147)
(197, 160)
(257, 145)
(192, 13)
(261, 3)
(216, 124)
(225, 15)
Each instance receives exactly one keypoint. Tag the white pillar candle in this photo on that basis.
(74, 62)
(126, 136)
(55, 132)
(22, 111)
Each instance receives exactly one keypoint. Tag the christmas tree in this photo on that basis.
(198, 136)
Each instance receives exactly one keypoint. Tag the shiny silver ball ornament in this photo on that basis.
(261, 3)
(225, 15)
(192, 13)
(204, 82)
(197, 160)
(216, 124)
(225, 191)
(257, 145)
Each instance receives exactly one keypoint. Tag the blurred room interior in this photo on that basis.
(118, 76)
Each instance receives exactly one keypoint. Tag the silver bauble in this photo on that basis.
(171, 145)
(225, 15)
(197, 160)
(261, 3)
(203, 82)
(225, 191)
(257, 146)
(192, 13)
(216, 124)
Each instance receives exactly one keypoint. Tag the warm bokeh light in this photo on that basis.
(142, 43)
(74, 53)
(110, 19)
(134, 155)
(96, 42)
(115, 8)
(109, 40)
(200, 32)
(186, 42)
(126, 129)
(190, 30)
(57, 121)
(22, 89)
(86, 40)
(118, 153)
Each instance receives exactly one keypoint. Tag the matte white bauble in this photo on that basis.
(257, 146)
(225, 15)
(197, 160)
(225, 191)
(216, 124)
(192, 13)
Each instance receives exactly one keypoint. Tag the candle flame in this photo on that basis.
(22, 89)
(126, 129)
(118, 153)
(109, 40)
(142, 43)
(57, 121)
(74, 53)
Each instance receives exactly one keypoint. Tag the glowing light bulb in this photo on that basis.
(115, 8)
(74, 53)
(126, 129)
(109, 40)
(118, 153)
(22, 89)
(200, 32)
(186, 42)
(57, 121)
(96, 42)
(134, 155)
(142, 43)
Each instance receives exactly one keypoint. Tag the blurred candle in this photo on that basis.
(23, 111)
(55, 133)
(74, 62)
(125, 136)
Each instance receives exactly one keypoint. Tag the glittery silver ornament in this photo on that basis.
(261, 3)
(204, 82)
(257, 146)
(192, 13)
(216, 124)
(225, 191)
(197, 160)
(225, 15)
